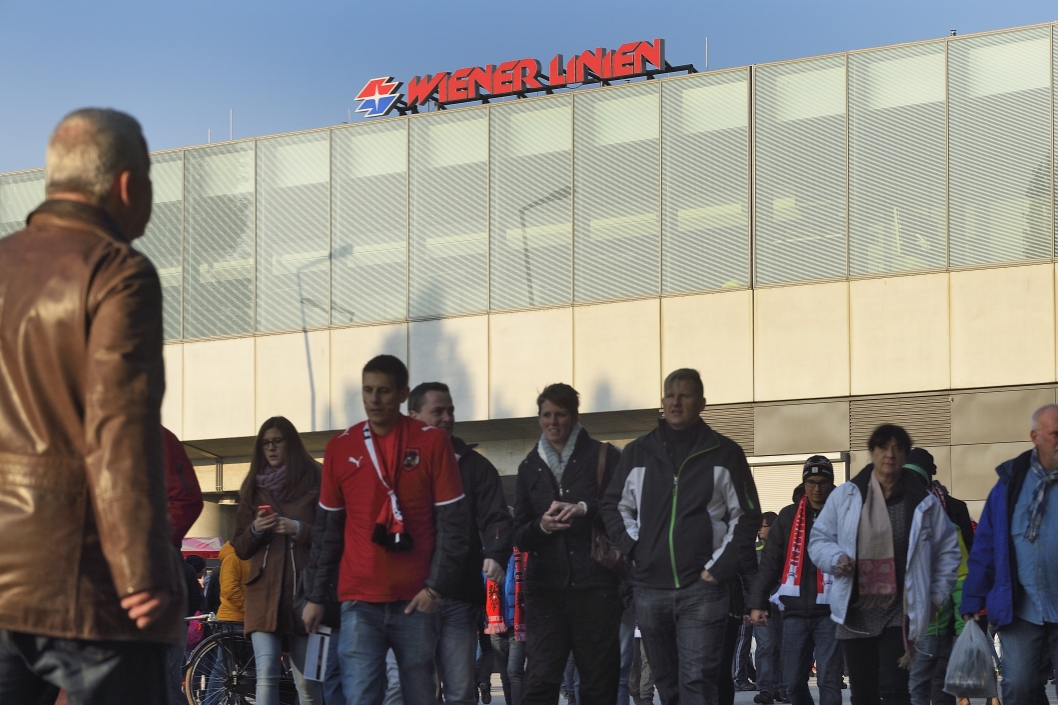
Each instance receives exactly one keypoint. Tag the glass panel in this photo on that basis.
(800, 171)
(449, 213)
(218, 240)
(370, 243)
(532, 230)
(293, 231)
(897, 200)
(616, 181)
(999, 147)
(705, 182)
(20, 194)
(161, 241)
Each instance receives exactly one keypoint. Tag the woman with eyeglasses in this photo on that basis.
(273, 531)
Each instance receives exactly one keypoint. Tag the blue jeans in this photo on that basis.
(805, 639)
(368, 630)
(510, 654)
(1024, 647)
(628, 646)
(683, 634)
(920, 682)
(768, 656)
(456, 650)
(267, 655)
(33, 668)
(332, 680)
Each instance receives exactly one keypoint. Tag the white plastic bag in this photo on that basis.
(971, 671)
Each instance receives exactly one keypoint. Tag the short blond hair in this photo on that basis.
(91, 146)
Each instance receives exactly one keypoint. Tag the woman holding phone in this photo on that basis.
(273, 531)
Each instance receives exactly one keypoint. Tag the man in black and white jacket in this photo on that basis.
(683, 507)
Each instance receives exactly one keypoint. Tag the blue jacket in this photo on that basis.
(991, 583)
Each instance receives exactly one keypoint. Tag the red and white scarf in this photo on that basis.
(494, 607)
(795, 561)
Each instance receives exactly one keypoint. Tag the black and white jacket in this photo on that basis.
(673, 522)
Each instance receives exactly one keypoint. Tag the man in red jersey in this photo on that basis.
(403, 542)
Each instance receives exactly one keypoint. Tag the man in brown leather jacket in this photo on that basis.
(89, 589)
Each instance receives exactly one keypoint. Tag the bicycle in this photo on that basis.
(221, 669)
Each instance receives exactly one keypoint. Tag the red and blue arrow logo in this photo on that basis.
(378, 96)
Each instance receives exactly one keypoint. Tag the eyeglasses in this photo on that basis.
(275, 443)
(816, 483)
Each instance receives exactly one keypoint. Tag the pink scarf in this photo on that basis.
(273, 479)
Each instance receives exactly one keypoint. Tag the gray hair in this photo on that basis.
(89, 148)
(1038, 414)
(691, 375)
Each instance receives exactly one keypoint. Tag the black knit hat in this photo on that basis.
(921, 460)
(818, 465)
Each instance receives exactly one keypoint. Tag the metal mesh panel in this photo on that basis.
(616, 181)
(293, 231)
(530, 200)
(19, 195)
(799, 147)
(705, 182)
(448, 207)
(161, 242)
(999, 147)
(218, 240)
(897, 200)
(369, 271)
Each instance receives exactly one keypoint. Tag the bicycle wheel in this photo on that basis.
(222, 672)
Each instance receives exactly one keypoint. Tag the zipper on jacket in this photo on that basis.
(672, 518)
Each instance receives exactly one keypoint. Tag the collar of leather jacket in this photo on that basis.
(93, 216)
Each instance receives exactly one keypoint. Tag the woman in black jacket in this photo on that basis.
(571, 601)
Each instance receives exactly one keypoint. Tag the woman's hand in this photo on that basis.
(286, 526)
(265, 522)
(560, 516)
(844, 566)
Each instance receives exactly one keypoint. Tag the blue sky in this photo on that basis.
(284, 66)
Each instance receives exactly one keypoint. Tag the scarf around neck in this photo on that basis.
(1046, 479)
(273, 479)
(875, 561)
(557, 462)
(793, 568)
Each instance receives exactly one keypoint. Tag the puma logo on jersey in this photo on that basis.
(356, 460)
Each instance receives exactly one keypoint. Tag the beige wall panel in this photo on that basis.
(235, 471)
(899, 334)
(206, 472)
(215, 520)
(973, 468)
(219, 389)
(454, 351)
(1002, 326)
(173, 401)
(527, 351)
(995, 417)
(293, 379)
(801, 428)
(801, 342)
(617, 355)
(351, 348)
(713, 333)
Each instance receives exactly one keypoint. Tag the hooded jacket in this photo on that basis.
(232, 575)
(673, 522)
(770, 570)
(992, 582)
(932, 548)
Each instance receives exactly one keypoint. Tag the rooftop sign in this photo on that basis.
(379, 97)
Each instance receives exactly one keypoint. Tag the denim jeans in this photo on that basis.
(683, 633)
(267, 655)
(332, 679)
(768, 655)
(175, 669)
(34, 668)
(1025, 646)
(456, 649)
(368, 630)
(628, 644)
(921, 678)
(510, 658)
(393, 694)
(874, 674)
(805, 639)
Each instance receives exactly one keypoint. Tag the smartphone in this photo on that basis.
(267, 509)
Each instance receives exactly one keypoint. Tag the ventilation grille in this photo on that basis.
(735, 422)
(927, 419)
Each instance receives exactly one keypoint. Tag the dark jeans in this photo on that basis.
(805, 639)
(768, 655)
(510, 658)
(584, 622)
(34, 668)
(874, 676)
(1025, 647)
(456, 651)
(683, 632)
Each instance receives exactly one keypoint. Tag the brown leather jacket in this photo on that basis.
(83, 514)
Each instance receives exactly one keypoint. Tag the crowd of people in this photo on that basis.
(610, 573)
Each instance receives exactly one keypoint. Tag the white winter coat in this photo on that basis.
(932, 554)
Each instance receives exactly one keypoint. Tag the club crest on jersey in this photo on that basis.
(411, 459)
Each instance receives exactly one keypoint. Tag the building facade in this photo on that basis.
(834, 242)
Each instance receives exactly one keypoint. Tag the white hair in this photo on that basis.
(89, 148)
(1038, 414)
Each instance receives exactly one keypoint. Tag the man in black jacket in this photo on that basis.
(683, 508)
(787, 580)
(488, 552)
